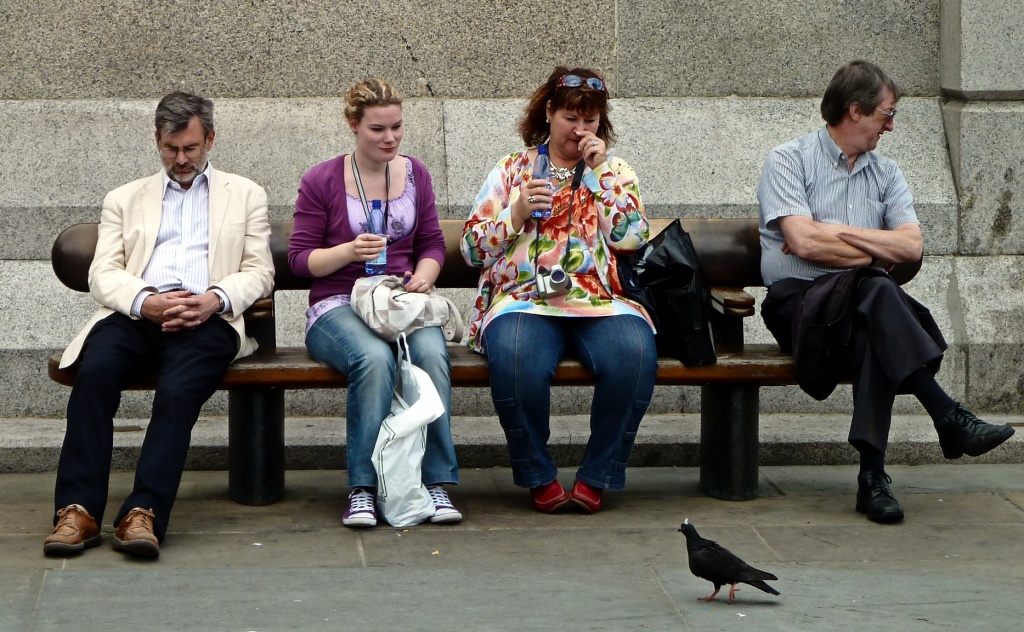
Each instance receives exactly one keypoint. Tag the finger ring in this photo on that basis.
(531, 199)
(593, 143)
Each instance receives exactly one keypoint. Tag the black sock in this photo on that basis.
(870, 458)
(921, 383)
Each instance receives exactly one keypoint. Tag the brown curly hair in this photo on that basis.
(369, 93)
(534, 127)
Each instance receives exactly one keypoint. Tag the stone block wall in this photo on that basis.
(701, 91)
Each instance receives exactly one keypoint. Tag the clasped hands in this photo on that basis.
(180, 310)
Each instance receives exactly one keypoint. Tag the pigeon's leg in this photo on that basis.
(732, 591)
(710, 597)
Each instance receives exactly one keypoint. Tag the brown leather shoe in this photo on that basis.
(76, 531)
(135, 534)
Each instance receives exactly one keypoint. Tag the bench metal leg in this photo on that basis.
(729, 441)
(256, 445)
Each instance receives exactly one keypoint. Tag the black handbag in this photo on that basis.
(664, 277)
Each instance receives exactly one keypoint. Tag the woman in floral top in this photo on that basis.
(525, 322)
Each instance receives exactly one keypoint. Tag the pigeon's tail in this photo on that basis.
(760, 585)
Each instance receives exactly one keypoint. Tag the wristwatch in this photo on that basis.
(220, 301)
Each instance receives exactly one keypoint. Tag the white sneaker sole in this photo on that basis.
(359, 522)
(446, 516)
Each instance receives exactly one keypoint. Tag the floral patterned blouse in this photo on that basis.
(607, 217)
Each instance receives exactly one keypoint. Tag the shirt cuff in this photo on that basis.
(137, 303)
(592, 178)
(504, 217)
(224, 298)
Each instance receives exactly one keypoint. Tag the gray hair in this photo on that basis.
(858, 82)
(175, 110)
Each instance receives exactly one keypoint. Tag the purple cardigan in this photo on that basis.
(320, 221)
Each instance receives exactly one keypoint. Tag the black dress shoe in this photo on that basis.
(875, 499)
(960, 432)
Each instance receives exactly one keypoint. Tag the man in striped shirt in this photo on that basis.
(835, 218)
(180, 256)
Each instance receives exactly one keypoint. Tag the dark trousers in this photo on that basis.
(887, 343)
(189, 366)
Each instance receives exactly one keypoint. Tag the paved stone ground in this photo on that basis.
(955, 563)
(668, 440)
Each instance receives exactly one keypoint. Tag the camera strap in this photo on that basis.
(577, 179)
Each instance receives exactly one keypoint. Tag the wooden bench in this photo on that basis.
(730, 257)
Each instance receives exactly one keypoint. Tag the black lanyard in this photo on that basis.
(577, 178)
(362, 194)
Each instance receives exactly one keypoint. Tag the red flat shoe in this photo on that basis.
(587, 497)
(548, 498)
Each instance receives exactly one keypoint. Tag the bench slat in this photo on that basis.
(290, 368)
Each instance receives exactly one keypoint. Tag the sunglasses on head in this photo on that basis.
(575, 81)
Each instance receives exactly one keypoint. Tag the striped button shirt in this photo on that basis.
(180, 258)
(810, 176)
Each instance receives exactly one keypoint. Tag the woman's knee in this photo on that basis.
(626, 347)
(427, 348)
(524, 341)
(349, 351)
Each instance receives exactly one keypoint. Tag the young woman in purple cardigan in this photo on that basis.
(331, 243)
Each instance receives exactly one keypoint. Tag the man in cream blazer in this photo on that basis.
(180, 256)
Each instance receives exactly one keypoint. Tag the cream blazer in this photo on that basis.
(239, 257)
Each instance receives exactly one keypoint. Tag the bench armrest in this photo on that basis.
(729, 306)
(262, 309)
(732, 301)
(260, 325)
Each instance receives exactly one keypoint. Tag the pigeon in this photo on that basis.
(708, 560)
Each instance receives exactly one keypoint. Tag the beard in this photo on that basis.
(185, 178)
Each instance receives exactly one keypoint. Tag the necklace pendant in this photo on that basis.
(562, 173)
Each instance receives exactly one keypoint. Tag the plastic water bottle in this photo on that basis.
(380, 264)
(542, 170)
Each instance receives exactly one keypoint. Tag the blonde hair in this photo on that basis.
(369, 93)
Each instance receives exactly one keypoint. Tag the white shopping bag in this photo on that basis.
(402, 498)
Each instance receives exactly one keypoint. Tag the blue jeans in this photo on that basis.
(342, 341)
(522, 353)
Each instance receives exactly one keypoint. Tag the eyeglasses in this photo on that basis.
(575, 81)
(888, 115)
(191, 152)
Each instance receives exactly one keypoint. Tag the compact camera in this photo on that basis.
(553, 283)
